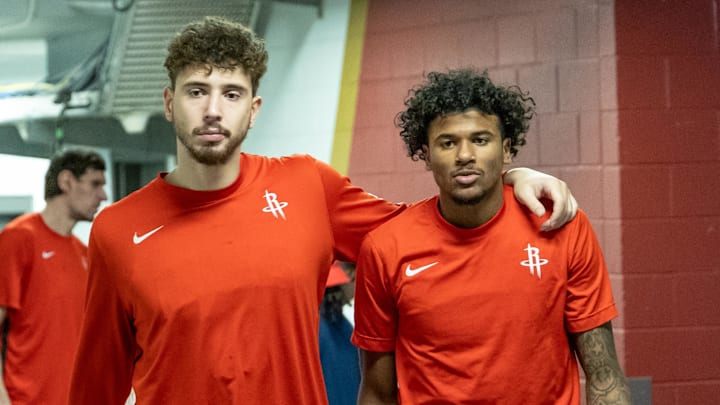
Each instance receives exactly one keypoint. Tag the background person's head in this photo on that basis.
(78, 178)
(217, 43)
(339, 289)
(459, 90)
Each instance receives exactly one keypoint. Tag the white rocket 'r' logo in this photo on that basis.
(534, 262)
(274, 206)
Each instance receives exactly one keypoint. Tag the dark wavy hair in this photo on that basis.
(78, 161)
(216, 42)
(456, 91)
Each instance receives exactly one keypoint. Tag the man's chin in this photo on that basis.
(467, 201)
(217, 153)
(213, 155)
(210, 159)
(467, 198)
(87, 218)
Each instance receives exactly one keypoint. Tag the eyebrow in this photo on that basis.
(193, 84)
(476, 133)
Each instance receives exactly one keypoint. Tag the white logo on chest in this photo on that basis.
(410, 272)
(274, 206)
(534, 262)
(138, 239)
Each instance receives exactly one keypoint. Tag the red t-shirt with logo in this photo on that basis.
(43, 276)
(480, 315)
(211, 297)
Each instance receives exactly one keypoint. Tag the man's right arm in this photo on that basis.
(605, 381)
(378, 385)
(4, 397)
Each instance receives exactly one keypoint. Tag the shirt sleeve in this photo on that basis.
(589, 299)
(353, 212)
(16, 255)
(106, 354)
(375, 308)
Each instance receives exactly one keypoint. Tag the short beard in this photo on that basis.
(208, 156)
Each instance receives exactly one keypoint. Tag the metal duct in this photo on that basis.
(134, 71)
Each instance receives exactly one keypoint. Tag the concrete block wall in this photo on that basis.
(627, 95)
(668, 98)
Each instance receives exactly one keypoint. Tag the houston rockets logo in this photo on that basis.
(534, 262)
(274, 206)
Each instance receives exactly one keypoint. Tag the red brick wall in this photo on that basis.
(668, 81)
(633, 128)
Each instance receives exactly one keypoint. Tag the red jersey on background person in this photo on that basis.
(43, 275)
(461, 299)
(205, 284)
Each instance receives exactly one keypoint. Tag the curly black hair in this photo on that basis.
(220, 43)
(457, 91)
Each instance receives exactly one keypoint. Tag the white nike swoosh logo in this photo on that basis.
(138, 239)
(411, 272)
(47, 255)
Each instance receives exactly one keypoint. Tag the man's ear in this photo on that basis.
(255, 109)
(507, 156)
(64, 180)
(426, 153)
(168, 95)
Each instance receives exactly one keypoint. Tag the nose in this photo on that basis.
(465, 152)
(212, 109)
(103, 194)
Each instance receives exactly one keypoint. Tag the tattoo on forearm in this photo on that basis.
(606, 383)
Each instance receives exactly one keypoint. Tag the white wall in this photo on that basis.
(23, 176)
(300, 91)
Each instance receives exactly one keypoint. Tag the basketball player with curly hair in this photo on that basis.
(461, 298)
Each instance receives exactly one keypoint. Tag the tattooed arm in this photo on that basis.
(605, 381)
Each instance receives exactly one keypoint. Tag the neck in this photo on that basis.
(56, 216)
(471, 215)
(193, 175)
